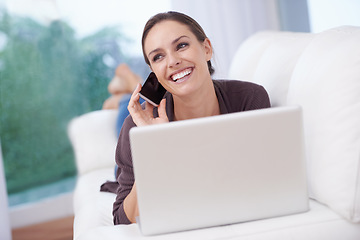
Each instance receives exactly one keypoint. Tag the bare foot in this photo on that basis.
(112, 102)
(124, 81)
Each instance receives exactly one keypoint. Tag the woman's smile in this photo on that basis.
(182, 75)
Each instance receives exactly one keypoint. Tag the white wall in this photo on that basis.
(5, 232)
(44, 210)
(228, 23)
(325, 14)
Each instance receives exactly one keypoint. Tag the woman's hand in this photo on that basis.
(143, 117)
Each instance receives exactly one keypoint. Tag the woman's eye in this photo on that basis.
(181, 45)
(157, 57)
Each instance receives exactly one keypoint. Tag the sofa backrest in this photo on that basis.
(247, 57)
(269, 58)
(326, 83)
(320, 72)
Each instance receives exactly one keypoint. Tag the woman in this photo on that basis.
(177, 50)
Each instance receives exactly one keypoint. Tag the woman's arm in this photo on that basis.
(125, 173)
(131, 205)
(125, 207)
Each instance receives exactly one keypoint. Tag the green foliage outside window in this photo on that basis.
(47, 77)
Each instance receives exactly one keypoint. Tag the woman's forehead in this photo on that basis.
(165, 32)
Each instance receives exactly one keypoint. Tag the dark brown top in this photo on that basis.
(233, 96)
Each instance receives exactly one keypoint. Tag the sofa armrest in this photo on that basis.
(93, 137)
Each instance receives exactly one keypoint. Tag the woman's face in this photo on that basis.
(177, 58)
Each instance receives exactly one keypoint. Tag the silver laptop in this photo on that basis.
(220, 170)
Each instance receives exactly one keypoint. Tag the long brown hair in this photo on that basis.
(194, 27)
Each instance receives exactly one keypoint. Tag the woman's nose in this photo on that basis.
(173, 60)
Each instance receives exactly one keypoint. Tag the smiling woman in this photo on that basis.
(177, 50)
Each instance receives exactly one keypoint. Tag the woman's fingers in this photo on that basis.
(134, 106)
(149, 109)
(135, 95)
(139, 115)
(142, 117)
(162, 110)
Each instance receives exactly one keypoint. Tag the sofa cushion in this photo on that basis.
(319, 223)
(93, 208)
(93, 137)
(95, 213)
(88, 186)
(326, 83)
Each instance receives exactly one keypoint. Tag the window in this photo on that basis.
(56, 60)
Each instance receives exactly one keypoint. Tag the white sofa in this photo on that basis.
(320, 72)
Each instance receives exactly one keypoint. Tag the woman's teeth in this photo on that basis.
(179, 75)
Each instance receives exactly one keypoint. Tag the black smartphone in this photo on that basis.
(152, 91)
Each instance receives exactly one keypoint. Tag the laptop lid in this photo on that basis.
(220, 170)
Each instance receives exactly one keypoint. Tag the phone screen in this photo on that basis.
(152, 91)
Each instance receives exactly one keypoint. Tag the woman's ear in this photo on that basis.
(208, 49)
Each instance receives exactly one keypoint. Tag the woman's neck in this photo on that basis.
(203, 104)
